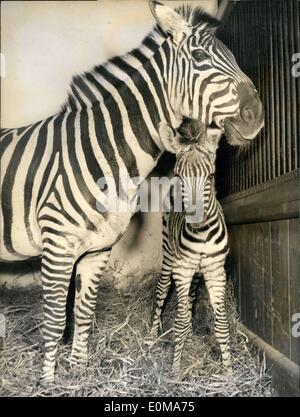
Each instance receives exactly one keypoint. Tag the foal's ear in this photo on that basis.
(169, 138)
(213, 139)
(169, 20)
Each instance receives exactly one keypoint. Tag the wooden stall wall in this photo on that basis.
(259, 186)
(264, 35)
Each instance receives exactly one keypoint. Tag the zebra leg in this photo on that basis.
(192, 296)
(88, 273)
(183, 277)
(162, 289)
(56, 274)
(216, 285)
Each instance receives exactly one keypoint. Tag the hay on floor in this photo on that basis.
(123, 360)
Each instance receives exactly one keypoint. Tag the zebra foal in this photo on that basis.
(194, 243)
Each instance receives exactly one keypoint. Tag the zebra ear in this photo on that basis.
(213, 138)
(169, 20)
(169, 138)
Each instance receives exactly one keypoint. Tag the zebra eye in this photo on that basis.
(211, 177)
(200, 55)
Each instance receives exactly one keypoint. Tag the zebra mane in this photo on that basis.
(151, 42)
(197, 16)
(194, 16)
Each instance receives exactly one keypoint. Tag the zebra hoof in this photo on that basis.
(76, 363)
(153, 334)
(46, 385)
(46, 378)
(189, 337)
(176, 374)
(228, 372)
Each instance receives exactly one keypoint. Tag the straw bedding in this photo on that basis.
(123, 360)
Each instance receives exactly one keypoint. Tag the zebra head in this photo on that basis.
(195, 149)
(203, 79)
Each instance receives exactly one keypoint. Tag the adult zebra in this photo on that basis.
(110, 125)
(195, 240)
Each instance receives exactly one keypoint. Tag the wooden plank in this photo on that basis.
(272, 65)
(264, 82)
(296, 25)
(266, 274)
(250, 277)
(288, 115)
(236, 213)
(258, 278)
(282, 88)
(257, 69)
(248, 293)
(294, 44)
(243, 239)
(280, 286)
(265, 88)
(275, 200)
(276, 86)
(294, 279)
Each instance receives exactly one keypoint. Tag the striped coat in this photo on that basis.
(194, 243)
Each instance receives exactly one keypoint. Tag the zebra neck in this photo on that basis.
(133, 88)
(213, 212)
(213, 205)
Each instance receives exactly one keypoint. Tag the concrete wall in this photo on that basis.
(44, 44)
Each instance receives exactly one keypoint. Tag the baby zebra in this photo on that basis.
(194, 245)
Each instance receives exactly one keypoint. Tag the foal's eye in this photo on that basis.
(211, 177)
(200, 55)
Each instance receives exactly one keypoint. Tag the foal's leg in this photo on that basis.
(162, 288)
(215, 282)
(183, 277)
(192, 295)
(88, 273)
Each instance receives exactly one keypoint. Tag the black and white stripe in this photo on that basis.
(108, 127)
(198, 247)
